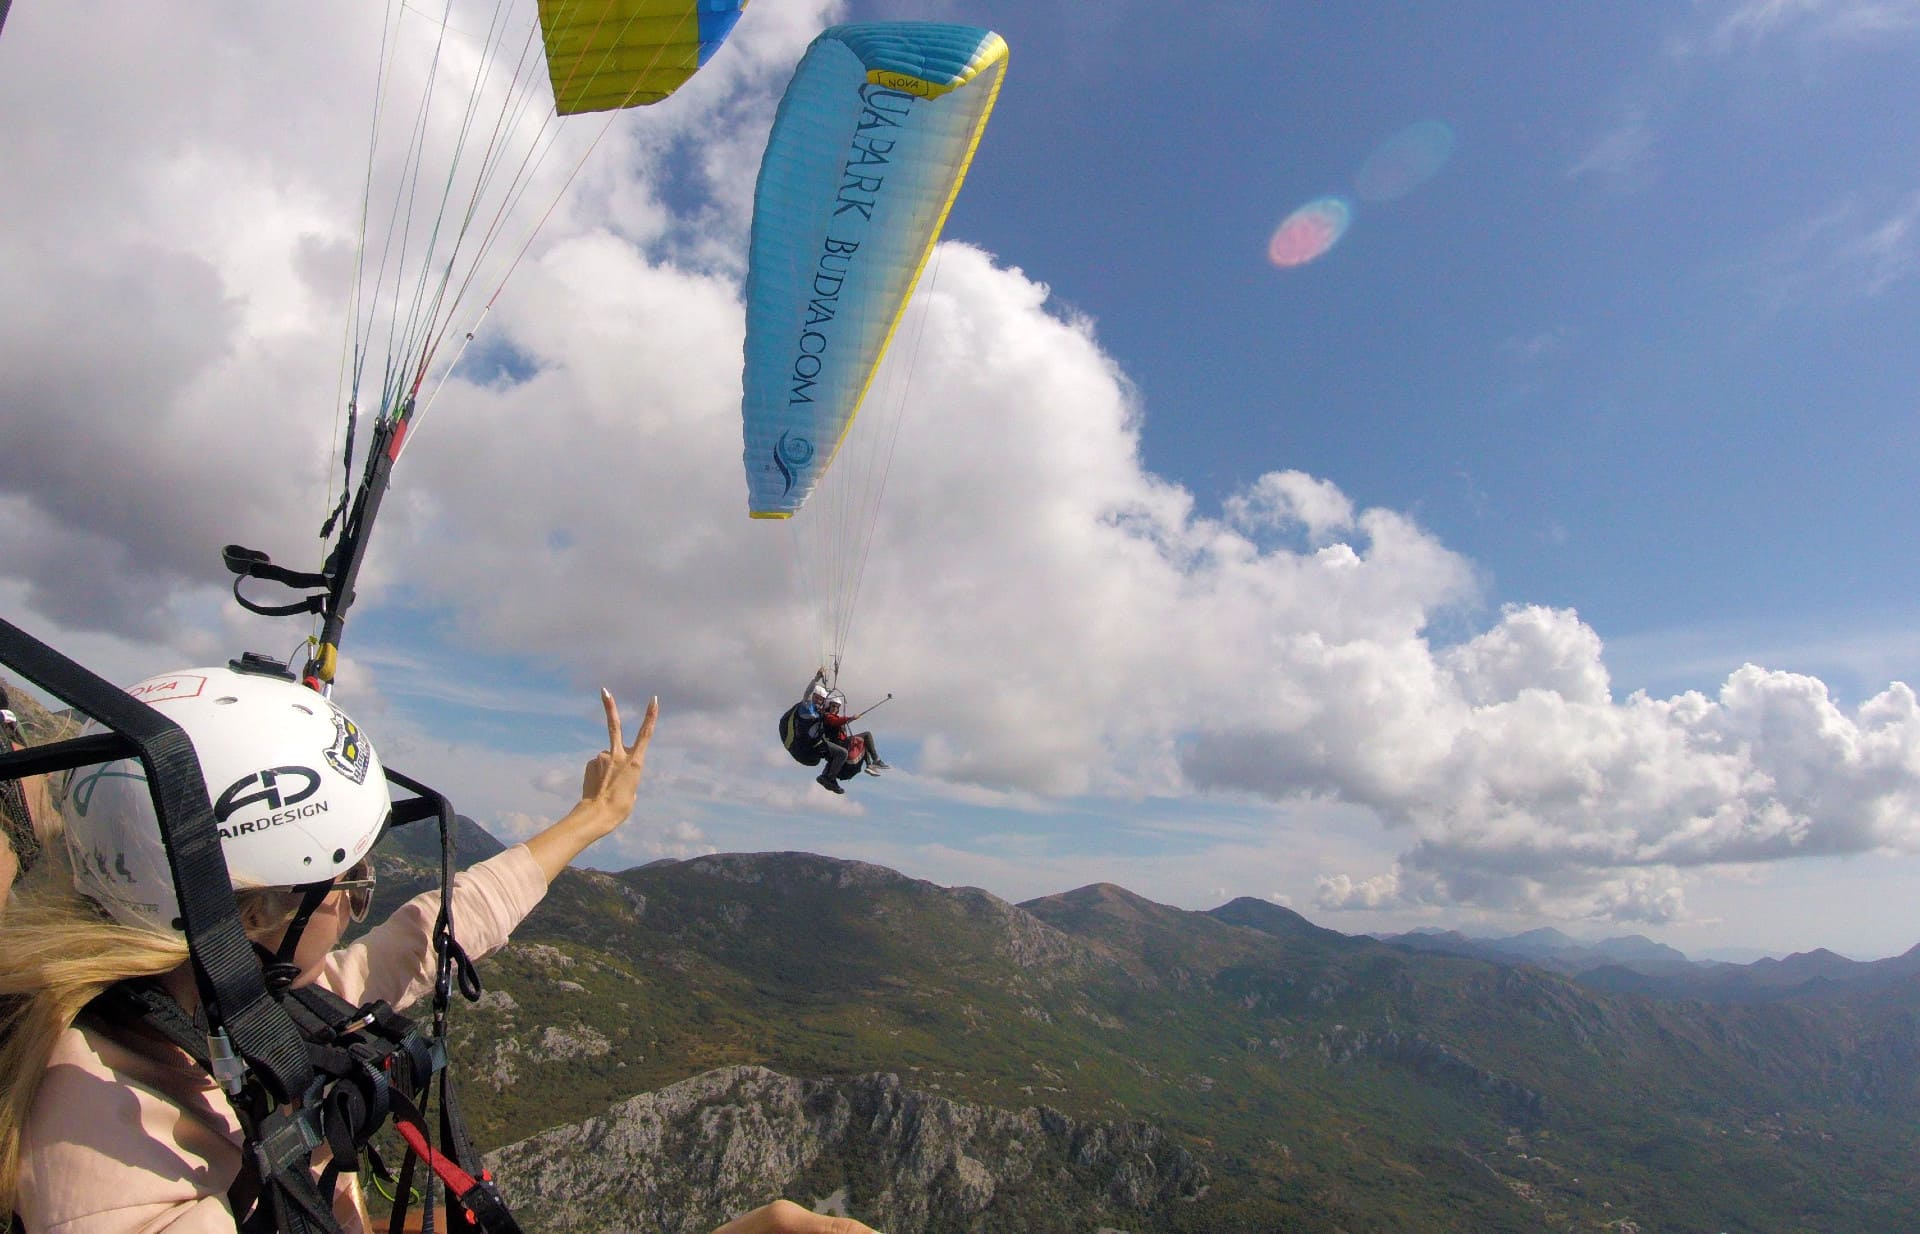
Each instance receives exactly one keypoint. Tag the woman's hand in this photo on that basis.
(608, 789)
(786, 1217)
(612, 777)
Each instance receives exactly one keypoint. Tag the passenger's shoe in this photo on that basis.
(876, 763)
(826, 781)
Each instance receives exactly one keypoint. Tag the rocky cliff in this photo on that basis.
(685, 1159)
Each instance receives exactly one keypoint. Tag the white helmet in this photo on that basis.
(298, 794)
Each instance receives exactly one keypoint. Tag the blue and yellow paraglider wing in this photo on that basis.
(605, 54)
(868, 150)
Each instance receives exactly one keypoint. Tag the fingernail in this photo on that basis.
(605, 693)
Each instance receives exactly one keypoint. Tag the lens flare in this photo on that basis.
(1405, 161)
(1309, 232)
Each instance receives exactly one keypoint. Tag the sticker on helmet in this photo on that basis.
(349, 754)
(108, 871)
(166, 689)
(275, 788)
(80, 793)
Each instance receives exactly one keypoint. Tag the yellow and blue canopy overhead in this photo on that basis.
(867, 153)
(604, 54)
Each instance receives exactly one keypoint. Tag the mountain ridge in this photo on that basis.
(1324, 1082)
(1636, 964)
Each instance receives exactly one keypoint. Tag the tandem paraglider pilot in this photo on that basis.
(110, 1122)
(815, 730)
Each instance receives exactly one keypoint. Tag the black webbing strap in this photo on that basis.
(342, 567)
(274, 1189)
(451, 960)
(372, 1058)
(470, 1189)
(249, 563)
(403, 1188)
(280, 1097)
(232, 989)
(62, 755)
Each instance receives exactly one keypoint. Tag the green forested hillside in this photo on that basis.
(1324, 1082)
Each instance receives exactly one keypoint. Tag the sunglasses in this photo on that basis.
(358, 884)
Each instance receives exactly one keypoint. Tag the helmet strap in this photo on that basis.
(281, 971)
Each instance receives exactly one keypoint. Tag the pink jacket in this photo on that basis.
(129, 1135)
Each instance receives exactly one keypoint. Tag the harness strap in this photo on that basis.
(244, 1034)
(403, 1188)
(275, 1188)
(469, 1187)
(231, 986)
(473, 1192)
(289, 1199)
(367, 1059)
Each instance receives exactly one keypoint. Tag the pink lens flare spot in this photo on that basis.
(1309, 232)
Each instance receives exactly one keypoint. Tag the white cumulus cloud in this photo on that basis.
(1056, 620)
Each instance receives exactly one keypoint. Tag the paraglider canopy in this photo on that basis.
(868, 151)
(603, 54)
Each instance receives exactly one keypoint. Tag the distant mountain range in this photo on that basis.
(1551, 949)
(1636, 964)
(662, 1047)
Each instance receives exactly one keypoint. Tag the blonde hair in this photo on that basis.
(58, 952)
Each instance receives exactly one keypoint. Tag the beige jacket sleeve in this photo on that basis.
(394, 960)
(127, 1135)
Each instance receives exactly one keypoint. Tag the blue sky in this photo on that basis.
(1332, 584)
(1632, 350)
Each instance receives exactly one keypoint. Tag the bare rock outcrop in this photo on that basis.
(689, 1157)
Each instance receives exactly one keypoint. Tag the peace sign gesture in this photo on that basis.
(608, 788)
(613, 777)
